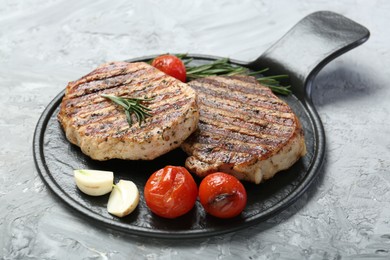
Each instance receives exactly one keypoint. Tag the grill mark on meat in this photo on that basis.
(237, 83)
(211, 154)
(158, 87)
(232, 144)
(137, 86)
(162, 92)
(109, 108)
(167, 112)
(108, 70)
(228, 132)
(117, 126)
(94, 105)
(109, 83)
(238, 97)
(100, 127)
(246, 111)
(241, 132)
(243, 129)
(256, 100)
(253, 124)
(137, 77)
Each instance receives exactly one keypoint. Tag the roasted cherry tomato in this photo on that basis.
(171, 65)
(170, 192)
(222, 195)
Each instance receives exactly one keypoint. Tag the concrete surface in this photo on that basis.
(45, 44)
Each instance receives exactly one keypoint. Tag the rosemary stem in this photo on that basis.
(132, 106)
(224, 67)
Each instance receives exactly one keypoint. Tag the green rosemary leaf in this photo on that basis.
(139, 117)
(224, 67)
(182, 56)
(132, 106)
(188, 61)
(275, 77)
(284, 90)
(128, 117)
(202, 68)
(138, 109)
(117, 100)
(253, 73)
(144, 108)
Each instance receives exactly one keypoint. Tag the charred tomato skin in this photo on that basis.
(171, 65)
(222, 195)
(170, 192)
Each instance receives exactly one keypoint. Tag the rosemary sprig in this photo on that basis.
(224, 67)
(218, 67)
(132, 106)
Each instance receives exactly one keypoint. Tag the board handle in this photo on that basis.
(307, 47)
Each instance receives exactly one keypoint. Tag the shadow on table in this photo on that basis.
(343, 82)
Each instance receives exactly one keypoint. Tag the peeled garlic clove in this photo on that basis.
(124, 198)
(94, 182)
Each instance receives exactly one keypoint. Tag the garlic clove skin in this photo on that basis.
(124, 198)
(94, 182)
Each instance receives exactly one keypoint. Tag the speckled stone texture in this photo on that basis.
(45, 44)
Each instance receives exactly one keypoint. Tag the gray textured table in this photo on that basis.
(45, 44)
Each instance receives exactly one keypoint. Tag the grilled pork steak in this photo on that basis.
(99, 126)
(244, 130)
